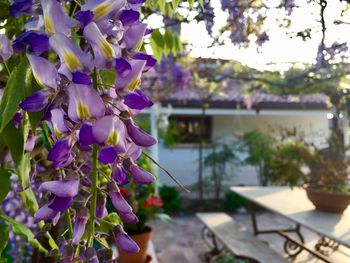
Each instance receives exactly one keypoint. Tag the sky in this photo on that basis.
(282, 49)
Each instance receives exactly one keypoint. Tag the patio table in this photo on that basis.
(294, 205)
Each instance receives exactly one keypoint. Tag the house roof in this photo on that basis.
(230, 98)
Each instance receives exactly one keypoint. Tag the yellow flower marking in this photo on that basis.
(107, 50)
(113, 138)
(57, 131)
(49, 26)
(38, 80)
(100, 11)
(82, 111)
(72, 61)
(133, 84)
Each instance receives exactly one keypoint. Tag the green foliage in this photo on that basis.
(171, 199)
(165, 44)
(22, 230)
(228, 258)
(5, 183)
(14, 140)
(4, 234)
(19, 81)
(259, 147)
(233, 201)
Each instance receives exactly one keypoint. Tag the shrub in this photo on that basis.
(233, 201)
(171, 199)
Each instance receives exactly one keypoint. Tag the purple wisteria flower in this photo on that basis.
(85, 143)
(124, 242)
(5, 48)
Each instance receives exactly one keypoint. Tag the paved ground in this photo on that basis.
(180, 242)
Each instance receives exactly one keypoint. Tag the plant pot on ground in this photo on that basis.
(142, 240)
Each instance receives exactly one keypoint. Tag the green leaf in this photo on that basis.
(161, 4)
(169, 40)
(22, 230)
(34, 119)
(157, 53)
(14, 140)
(158, 38)
(14, 92)
(191, 2)
(4, 235)
(163, 217)
(4, 183)
(201, 3)
(175, 4)
(28, 197)
(111, 218)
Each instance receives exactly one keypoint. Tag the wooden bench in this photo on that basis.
(236, 239)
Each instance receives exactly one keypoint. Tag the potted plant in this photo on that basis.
(326, 179)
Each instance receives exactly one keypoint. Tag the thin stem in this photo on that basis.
(94, 197)
(69, 223)
(106, 222)
(167, 172)
(7, 68)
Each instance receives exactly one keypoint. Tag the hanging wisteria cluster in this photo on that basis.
(87, 126)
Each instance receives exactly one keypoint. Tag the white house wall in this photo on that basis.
(182, 160)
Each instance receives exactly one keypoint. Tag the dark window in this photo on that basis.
(186, 129)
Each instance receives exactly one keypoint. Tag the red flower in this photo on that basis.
(124, 192)
(154, 201)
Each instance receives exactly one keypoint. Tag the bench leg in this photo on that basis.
(291, 248)
(210, 240)
(326, 246)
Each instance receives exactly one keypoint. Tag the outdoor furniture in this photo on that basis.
(294, 205)
(222, 227)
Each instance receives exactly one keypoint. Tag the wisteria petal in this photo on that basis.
(57, 123)
(123, 67)
(137, 100)
(129, 17)
(44, 213)
(37, 42)
(6, 49)
(84, 17)
(45, 73)
(133, 151)
(101, 210)
(139, 175)
(21, 7)
(81, 78)
(132, 79)
(84, 103)
(30, 143)
(60, 204)
(150, 61)
(138, 136)
(128, 218)
(85, 134)
(133, 36)
(104, 51)
(111, 131)
(63, 188)
(108, 155)
(103, 8)
(74, 58)
(119, 175)
(60, 154)
(80, 224)
(117, 199)
(36, 102)
(124, 242)
(56, 20)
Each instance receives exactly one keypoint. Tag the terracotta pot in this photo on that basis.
(327, 201)
(142, 240)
